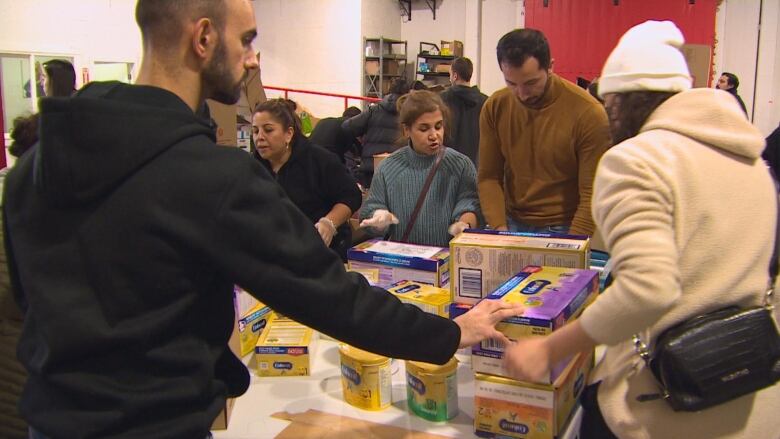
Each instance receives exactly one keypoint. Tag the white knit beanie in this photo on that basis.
(647, 58)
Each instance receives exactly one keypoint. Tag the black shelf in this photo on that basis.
(444, 57)
(433, 73)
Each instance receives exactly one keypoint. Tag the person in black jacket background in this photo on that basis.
(127, 228)
(329, 134)
(380, 129)
(729, 82)
(465, 103)
(311, 176)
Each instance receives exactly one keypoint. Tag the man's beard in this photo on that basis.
(218, 82)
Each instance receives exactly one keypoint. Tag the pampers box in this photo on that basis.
(433, 300)
(481, 260)
(552, 296)
(398, 261)
(505, 408)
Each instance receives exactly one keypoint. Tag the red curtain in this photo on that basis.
(582, 33)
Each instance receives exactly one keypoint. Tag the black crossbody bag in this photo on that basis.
(716, 357)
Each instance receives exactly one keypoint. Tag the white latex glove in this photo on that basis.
(480, 321)
(380, 221)
(326, 229)
(458, 227)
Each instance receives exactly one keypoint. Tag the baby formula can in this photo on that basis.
(432, 390)
(365, 378)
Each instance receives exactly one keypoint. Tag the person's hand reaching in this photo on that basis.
(479, 323)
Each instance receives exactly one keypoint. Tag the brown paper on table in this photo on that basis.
(314, 424)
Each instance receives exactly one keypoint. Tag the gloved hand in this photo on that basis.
(457, 227)
(326, 229)
(380, 221)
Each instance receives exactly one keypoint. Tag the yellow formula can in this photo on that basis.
(365, 378)
(432, 390)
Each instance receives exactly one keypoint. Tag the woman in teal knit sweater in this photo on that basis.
(451, 204)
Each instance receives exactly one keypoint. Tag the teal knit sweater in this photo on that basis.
(397, 184)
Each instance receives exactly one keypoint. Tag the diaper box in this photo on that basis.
(285, 348)
(398, 261)
(481, 260)
(505, 408)
(433, 300)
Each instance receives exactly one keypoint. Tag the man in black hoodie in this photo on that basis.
(127, 226)
(465, 103)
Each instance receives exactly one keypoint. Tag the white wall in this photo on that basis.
(767, 114)
(477, 23)
(311, 45)
(87, 30)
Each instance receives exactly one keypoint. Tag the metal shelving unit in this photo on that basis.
(425, 69)
(383, 60)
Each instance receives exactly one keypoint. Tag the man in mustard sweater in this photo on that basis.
(541, 138)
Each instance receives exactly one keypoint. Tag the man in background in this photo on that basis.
(541, 138)
(729, 82)
(465, 103)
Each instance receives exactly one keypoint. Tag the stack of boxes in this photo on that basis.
(548, 274)
(507, 408)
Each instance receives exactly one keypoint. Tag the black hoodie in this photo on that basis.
(464, 103)
(126, 229)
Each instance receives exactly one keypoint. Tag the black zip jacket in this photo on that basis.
(126, 228)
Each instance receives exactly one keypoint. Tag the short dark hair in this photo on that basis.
(518, 45)
(732, 79)
(62, 77)
(351, 112)
(634, 109)
(24, 134)
(163, 19)
(399, 86)
(463, 67)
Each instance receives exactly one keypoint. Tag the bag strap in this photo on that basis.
(423, 193)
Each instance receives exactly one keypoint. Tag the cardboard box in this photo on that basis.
(698, 57)
(428, 298)
(572, 430)
(250, 327)
(454, 48)
(553, 296)
(442, 68)
(482, 260)
(223, 418)
(372, 67)
(507, 408)
(397, 261)
(284, 349)
(225, 117)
